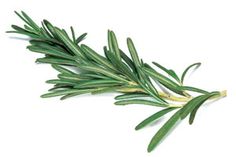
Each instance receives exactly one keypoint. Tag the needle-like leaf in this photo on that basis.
(164, 80)
(133, 53)
(50, 28)
(128, 61)
(114, 45)
(163, 131)
(45, 30)
(194, 111)
(140, 101)
(199, 100)
(20, 30)
(58, 81)
(122, 67)
(70, 77)
(131, 96)
(153, 117)
(73, 34)
(64, 92)
(53, 60)
(30, 21)
(102, 71)
(98, 83)
(59, 87)
(68, 42)
(106, 90)
(62, 70)
(194, 89)
(80, 38)
(168, 71)
(193, 114)
(187, 69)
(22, 18)
(96, 57)
(52, 52)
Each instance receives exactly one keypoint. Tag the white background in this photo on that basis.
(174, 33)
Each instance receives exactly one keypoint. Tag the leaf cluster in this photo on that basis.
(82, 70)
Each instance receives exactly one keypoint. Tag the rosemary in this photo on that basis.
(135, 80)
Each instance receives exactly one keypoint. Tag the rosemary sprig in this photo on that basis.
(113, 72)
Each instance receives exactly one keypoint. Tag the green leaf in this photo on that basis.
(106, 90)
(193, 114)
(50, 28)
(65, 33)
(53, 60)
(114, 45)
(20, 30)
(72, 95)
(102, 71)
(163, 80)
(68, 42)
(96, 57)
(47, 44)
(168, 71)
(62, 70)
(160, 78)
(153, 118)
(120, 66)
(110, 46)
(146, 83)
(140, 101)
(92, 76)
(73, 34)
(194, 89)
(98, 83)
(28, 28)
(64, 92)
(64, 82)
(80, 92)
(70, 77)
(45, 31)
(22, 18)
(52, 52)
(23, 33)
(128, 61)
(133, 53)
(130, 96)
(194, 111)
(163, 131)
(30, 21)
(59, 87)
(150, 91)
(80, 38)
(199, 100)
(187, 69)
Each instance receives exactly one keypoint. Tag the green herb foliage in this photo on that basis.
(82, 70)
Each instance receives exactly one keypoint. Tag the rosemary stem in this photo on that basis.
(186, 99)
(174, 98)
(170, 97)
(221, 95)
(161, 94)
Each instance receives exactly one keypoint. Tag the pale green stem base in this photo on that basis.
(172, 97)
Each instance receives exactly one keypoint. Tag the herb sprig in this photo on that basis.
(82, 70)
